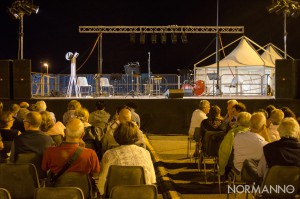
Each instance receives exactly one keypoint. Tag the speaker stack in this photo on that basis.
(174, 93)
(15, 79)
(287, 79)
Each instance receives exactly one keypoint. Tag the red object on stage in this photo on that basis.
(187, 86)
(199, 87)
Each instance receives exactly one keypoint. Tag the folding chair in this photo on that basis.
(58, 193)
(134, 192)
(124, 175)
(83, 83)
(285, 178)
(4, 194)
(19, 179)
(104, 82)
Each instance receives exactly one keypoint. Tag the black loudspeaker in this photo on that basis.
(287, 79)
(174, 93)
(22, 79)
(5, 79)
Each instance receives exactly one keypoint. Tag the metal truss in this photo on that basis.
(162, 29)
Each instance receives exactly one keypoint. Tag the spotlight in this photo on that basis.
(142, 38)
(281, 9)
(184, 39)
(295, 9)
(163, 38)
(274, 7)
(13, 13)
(70, 55)
(30, 7)
(132, 38)
(153, 38)
(174, 38)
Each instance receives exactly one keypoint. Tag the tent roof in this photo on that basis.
(243, 55)
(271, 54)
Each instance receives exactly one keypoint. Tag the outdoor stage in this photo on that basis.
(159, 114)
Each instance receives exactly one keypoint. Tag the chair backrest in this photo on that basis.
(58, 193)
(19, 179)
(281, 177)
(134, 192)
(104, 81)
(82, 81)
(33, 158)
(75, 179)
(124, 175)
(4, 194)
(211, 142)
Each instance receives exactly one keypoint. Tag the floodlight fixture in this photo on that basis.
(132, 38)
(153, 38)
(142, 38)
(274, 7)
(70, 55)
(163, 38)
(184, 39)
(174, 38)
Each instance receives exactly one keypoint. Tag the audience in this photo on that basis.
(226, 146)
(33, 139)
(127, 154)
(23, 110)
(69, 114)
(135, 117)
(41, 106)
(7, 134)
(1, 106)
(275, 118)
(100, 117)
(235, 110)
(55, 158)
(288, 112)
(55, 130)
(229, 117)
(249, 145)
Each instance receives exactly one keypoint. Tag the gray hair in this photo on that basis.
(289, 128)
(74, 128)
(276, 116)
(257, 122)
(203, 104)
(243, 119)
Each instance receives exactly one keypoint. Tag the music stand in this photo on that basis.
(132, 69)
(213, 76)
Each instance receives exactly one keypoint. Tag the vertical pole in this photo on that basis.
(100, 59)
(217, 53)
(285, 34)
(21, 35)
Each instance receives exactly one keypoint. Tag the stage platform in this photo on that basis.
(159, 114)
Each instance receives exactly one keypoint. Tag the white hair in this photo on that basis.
(289, 128)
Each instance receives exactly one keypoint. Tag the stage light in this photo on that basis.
(174, 38)
(282, 9)
(184, 39)
(153, 38)
(13, 13)
(295, 9)
(274, 7)
(142, 38)
(163, 38)
(132, 38)
(70, 55)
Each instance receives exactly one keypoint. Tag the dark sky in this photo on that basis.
(54, 31)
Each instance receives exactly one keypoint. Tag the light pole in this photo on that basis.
(17, 10)
(46, 66)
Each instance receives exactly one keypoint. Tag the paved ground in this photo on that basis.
(181, 177)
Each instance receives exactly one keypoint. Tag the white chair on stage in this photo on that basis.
(104, 82)
(83, 86)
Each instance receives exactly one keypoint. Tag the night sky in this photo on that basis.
(54, 31)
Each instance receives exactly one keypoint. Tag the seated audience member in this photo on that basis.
(18, 123)
(236, 109)
(123, 115)
(41, 106)
(1, 106)
(69, 114)
(275, 118)
(229, 117)
(269, 109)
(100, 117)
(225, 150)
(7, 134)
(23, 110)
(135, 117)
(283, 152)
(288, 112)
(55, 130)
(33, 139)
(92, 135)
(198, 116)
(55, 158)
(249, 145)
(127, 154)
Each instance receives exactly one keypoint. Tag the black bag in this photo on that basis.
(50, 180)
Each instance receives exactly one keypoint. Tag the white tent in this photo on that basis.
(242, 70)
(271, 54)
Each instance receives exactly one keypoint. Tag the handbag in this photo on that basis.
(51, 177)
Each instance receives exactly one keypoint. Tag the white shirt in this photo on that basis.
(197, 117)
(247, 145)
(126, 155)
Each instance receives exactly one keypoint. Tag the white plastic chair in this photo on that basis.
(83, 83)
(104, 82)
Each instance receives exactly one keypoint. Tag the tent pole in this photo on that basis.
(218, 92)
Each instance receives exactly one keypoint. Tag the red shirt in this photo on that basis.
(55, 158)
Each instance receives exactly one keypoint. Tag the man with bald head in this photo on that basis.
(123, 115)
(55, 158)
(33, 140)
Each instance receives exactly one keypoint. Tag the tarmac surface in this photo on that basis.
(178, 175)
